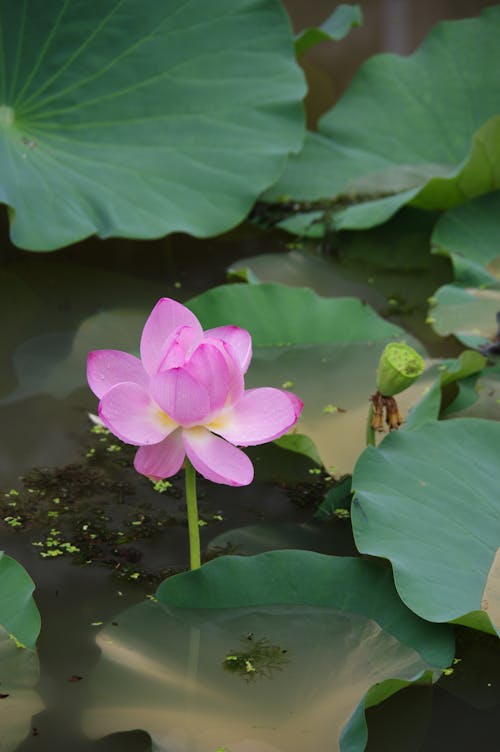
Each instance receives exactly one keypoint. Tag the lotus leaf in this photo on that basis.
(427, 500)
(138, 118)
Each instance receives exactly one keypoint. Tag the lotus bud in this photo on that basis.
(399, 366)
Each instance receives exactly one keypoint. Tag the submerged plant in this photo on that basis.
(184, 401)
(261, 659)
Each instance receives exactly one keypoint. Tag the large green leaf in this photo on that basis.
(423, 129)
(138, 117)
(306, 578)
(18, 613)
(326, 350)
(164, 666)
(279, 316)
(427, 500)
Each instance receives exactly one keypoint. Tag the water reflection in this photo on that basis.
(45, 352)
(166, 671)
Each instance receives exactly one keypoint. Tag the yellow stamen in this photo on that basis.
(164, 419)
(219, 423)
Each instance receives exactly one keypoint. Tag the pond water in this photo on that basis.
(106, 685)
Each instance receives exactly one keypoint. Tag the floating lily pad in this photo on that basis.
(19, 700)
(19, 615)
(278, 316)
(261, 651)
(469, 313)
(389, 267)
(396, 137)
(427, 500)
(469, 235)
(140, 118)
(326, 350)
(308, 269)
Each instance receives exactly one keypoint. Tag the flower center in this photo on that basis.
(165, 420)
(218, 423)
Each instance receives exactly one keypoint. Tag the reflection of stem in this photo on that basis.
(370, 433)
(192, 512)
(193, 655)
(191, 684)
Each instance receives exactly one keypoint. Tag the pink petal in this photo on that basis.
(106, 368)
(181, 396)
(236, 382)
(208, 366)
(297, 403)
(161, 460)
(217, 460)
(167, 316)
(130, 413)
(260, 415)
(179, 347)
(239, 340)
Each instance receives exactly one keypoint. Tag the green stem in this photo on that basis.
(192, 512)
(370, 433)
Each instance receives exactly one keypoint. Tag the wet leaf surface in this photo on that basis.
(19, 616)
(171, 660)
(425, 162)
(122, 118)
(427, 500)
(469, 308)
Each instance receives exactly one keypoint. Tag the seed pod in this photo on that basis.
(399, 366)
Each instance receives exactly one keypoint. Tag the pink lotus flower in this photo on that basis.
(186, 395)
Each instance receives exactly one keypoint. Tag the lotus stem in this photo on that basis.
(370, 433)
(192, 514)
